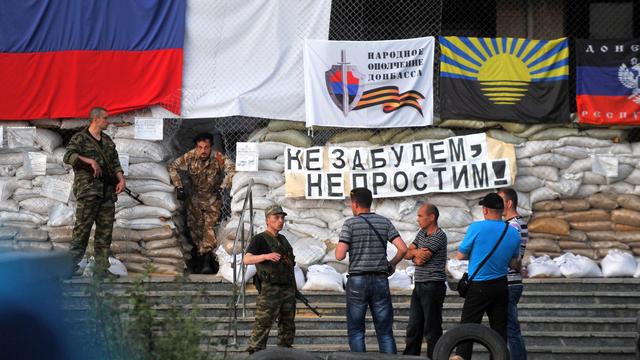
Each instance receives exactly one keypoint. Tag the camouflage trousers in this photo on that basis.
(275, 302)
(89, 210)
(201, 220)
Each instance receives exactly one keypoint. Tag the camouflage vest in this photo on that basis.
(281, 272)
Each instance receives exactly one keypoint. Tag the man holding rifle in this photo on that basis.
(273, 256)
(98, 179)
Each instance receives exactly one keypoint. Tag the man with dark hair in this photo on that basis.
(208, 172)
(488, 292)
(98, 179)
(429, 254)
(514, 335)
(365, 237)
(273, 256)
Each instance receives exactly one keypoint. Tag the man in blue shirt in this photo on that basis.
(488, 291)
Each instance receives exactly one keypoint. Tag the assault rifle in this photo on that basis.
(258, 283)
(134, 195)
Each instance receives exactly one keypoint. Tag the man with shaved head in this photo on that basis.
(429, 254)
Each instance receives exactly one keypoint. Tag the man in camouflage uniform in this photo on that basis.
(273, 256)
(97, 181)
(208, 172)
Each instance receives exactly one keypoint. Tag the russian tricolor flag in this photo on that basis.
(60, 58)
(608, 81)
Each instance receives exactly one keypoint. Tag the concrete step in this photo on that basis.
(402, 309)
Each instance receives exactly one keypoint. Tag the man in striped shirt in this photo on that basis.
(514, 336)
(365, 236)
(429, 254)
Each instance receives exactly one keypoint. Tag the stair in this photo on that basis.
(560, 318)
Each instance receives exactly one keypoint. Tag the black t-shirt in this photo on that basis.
(259, 246)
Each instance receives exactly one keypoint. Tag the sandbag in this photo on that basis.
(533, 148)
(143, 223)
(384, 136)
(122, 234)
(281, 125)
(609, 245)
(626, 228)
(427, 134)
(149, 171)
(270, 165)
(586, 190)
(605, 236)
(164, 269)
(143, 211)
(634, 177)
(575, 204)
(527, 183)
(132, 257)
(60, 234)
(588, 215)
(271, 179)
(167, 252)
(590, 225)
(125, 247)
(554, 133)
(628, 237)
(270, 149)
(564, 187)
(568, 245)
(630, 202)
(291, 137)
(543, 245)
(543, 266)
(579, 166)
(159, 233)
(299, 275)
(619, 187)
(226, 270)
(161, 244)
(543, 194)
(607, 134)
(456, 268)
(573, 152)
(584, 142)
(626, 217)
(549, 226)
(543, 172)
(451, 217)
(399, 280)
(589, 253)
(308, 252)
(178, 263)
(618, 264)
(468, 124)
(323, 277)
(550, 159)
(142, 186)
(560, 214)
(576, 266)
(166, 200)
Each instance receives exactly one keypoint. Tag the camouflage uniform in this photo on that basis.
(277, 298)
(95, 197)
(203, 204)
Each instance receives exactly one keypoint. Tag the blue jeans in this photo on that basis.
(370, 290)
(514, 337)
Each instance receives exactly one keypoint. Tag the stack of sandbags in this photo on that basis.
(149, 225)
(29, 155)
(590, 227)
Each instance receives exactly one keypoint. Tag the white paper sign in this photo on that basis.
(246, 156)
(56, 189)
(21, 137)
(124, 163)
(1, 136)
(149, 128)
(35, 163)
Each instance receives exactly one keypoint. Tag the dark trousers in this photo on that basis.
(425, 317)
(491, 297)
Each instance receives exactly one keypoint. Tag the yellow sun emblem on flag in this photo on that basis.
(504, 67)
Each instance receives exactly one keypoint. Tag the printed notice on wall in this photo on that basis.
(246, 156)
(56, 189)
(149, 128)
(124, 163)
(21, 137)
(35, 163)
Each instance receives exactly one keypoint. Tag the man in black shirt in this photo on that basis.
(429, 254)
(273, 256)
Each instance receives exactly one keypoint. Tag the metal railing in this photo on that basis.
(239, 294)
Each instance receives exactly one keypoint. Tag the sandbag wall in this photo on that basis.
(571, 207)
(143, 234)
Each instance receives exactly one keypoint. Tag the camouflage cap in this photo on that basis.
(273, 210)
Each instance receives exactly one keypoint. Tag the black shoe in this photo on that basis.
(206, 266)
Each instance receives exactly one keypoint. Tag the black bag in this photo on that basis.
(465, 280)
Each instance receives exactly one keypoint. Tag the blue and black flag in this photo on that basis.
(512, 79)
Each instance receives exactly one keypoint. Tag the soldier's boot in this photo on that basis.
(210, 265)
